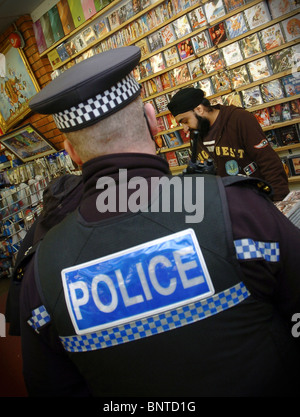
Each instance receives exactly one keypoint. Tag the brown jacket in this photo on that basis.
(242, 148)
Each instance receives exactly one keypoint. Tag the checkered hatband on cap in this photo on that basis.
(98, 107)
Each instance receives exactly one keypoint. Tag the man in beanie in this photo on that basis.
(131, 297)
(232, 137)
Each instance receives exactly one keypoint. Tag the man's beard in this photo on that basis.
(203, 126)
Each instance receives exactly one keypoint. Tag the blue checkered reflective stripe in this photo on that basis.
(247, 249)
(159, 323)
(39, 318)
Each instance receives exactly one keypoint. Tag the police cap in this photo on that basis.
(90, 90)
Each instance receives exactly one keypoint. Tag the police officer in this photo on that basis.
(136, 294)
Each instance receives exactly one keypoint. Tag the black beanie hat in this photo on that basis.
(185, 100)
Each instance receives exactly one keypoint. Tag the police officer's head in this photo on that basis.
(97, 104)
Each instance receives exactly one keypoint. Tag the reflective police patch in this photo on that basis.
(135, 283)
(232, 167)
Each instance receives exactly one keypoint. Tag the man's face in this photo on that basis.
(191, 121)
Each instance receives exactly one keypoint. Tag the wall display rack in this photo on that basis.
(239, 52)
(21, 201)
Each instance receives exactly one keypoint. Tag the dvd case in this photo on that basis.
(272, 37)
(201, 42)
(196, 68)
(181, 27)
(279, 8)
(183, 156)
(275, 113)
(144, 47)
(161, 103)
(233, 98)
(145, 68)
(185, 49)
(295, 108)
(232, 53)
(171, 56)
(155, 41)
(291, 28)
(239, 76)
(214, 9)
(236, 25)
(218, 33)
(263, 117)
(281, 60)
(206, 86)
(167, 34)
(213, 62)
(114, 20)
(221, 81)
(257, 15)
(157, 62)
(259, 69)
(171, 159)
(252, 97)
(197, 18)
(180, 75)
(291, 85)
(233, 4)
(161, 124)
(250, 45)
(173, 139)
(289, 135)
(165, 80)
(272, 90)
(286, 111)
(89, 35)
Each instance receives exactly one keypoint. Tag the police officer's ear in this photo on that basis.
(71, 151)
(151, 118)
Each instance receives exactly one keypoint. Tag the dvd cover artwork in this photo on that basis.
(232, 53)
(201, 42)
(167, 34)
(180, 75)
(185, 49)
(233, 4)
(218, 33)
(250, 45)
(233, 98)
(213, 62)
(197, 18)
(239, 76)
(221, 81)
(206, 86)
(214, 10)
(236, 25)
(279, 8)
(171, 56)
(291, 28)
(196, 68)
(263, 117)
(259, 69)
(272, 90)
(252, 97)
(281, 60)
(157, 62)
(272, 37)
(275, 113)
(257, 15)
(182, 27)
(291, 85)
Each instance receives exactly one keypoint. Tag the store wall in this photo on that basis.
(42, 71)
